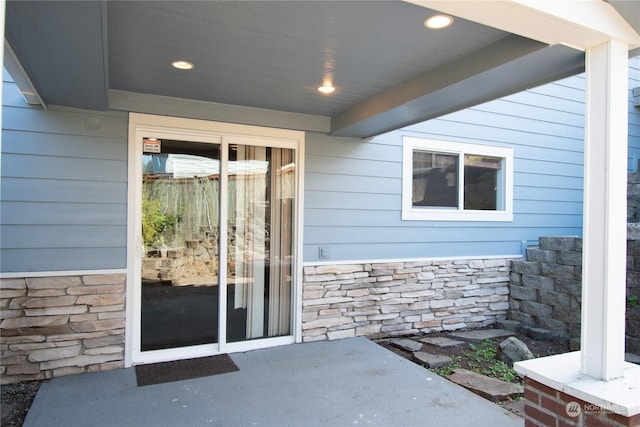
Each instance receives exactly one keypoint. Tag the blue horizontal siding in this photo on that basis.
(548, 181)
(63, 187)
(379, 185)
(65, 121)
(64, 183)
(353, 188)
(56, 236)
(549, 194)
(64, 259)
(46, 190)
(75, 146)
(315, 217)
(351, 166)
(58, 213)
(334, 199)
(446, 232)
(63, 168)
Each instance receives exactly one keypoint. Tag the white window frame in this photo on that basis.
(425, 213)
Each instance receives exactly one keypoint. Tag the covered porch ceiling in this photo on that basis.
(388, 70)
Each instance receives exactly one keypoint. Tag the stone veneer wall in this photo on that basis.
(546, 287)
(54, 326)
(398, 298)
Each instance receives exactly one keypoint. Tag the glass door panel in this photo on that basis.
(181, 242)
(260, 242)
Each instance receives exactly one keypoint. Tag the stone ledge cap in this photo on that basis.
(562, 372)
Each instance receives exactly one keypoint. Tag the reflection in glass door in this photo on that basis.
(188, 188)
(260, 227)
(180, 234)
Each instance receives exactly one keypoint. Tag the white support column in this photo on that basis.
(605, 213)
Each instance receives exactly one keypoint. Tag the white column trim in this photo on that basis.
(605, 220)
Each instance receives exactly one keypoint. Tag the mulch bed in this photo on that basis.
(16, 401)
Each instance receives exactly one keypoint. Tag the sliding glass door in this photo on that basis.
(260, 229)
(216, 225)
(180, 232)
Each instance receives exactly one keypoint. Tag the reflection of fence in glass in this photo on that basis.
(189, 206)
(182, 209)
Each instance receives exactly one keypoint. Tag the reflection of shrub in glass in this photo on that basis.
(156, 222)
(481, 174)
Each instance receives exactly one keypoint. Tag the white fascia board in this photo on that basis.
(579, 24)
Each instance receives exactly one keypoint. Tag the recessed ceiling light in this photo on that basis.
(437, 22)
(182, 65)
(326, 89)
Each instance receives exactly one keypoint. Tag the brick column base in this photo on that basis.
(545, 406)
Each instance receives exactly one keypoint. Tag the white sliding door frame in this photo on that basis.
(224, 134)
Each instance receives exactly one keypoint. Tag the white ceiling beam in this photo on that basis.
(579, 24)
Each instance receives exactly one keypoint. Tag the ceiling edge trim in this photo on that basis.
(194, 109)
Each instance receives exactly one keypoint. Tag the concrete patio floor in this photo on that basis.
(338, 383)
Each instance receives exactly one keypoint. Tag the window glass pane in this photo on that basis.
(180, 227)
(260, 250)
(435, 179)
(482, 179)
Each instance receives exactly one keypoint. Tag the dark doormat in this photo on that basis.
(156, 373)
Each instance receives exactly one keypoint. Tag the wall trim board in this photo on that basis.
(405, 260)
(61, 273)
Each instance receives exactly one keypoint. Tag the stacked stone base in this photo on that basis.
(401, 298)
(546, 288)
(547, 407)
(54, 326)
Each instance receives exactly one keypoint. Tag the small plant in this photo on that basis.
(482, 359)
(456, 363)
(500, 370)
(632, 300)
(483, 352)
